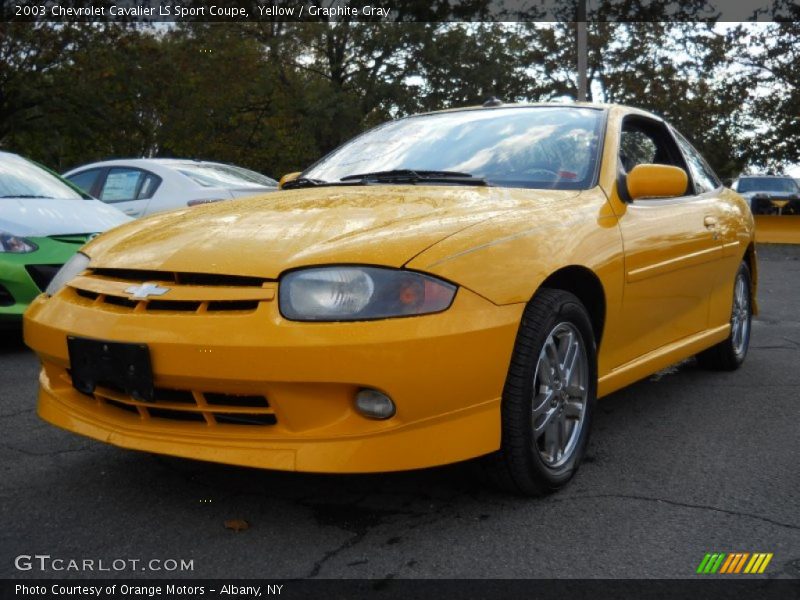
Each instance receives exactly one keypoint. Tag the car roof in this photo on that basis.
(555, 104)
(160, 166)
(149, 161)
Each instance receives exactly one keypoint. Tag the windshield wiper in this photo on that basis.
(302, 182)
(25, 196)
(417, 176)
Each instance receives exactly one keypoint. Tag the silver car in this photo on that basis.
(142, 186)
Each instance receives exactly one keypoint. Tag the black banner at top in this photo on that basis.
(243, 11)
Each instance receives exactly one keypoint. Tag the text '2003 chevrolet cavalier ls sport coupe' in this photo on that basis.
(445, 286)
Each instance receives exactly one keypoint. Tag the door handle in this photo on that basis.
(710, 222)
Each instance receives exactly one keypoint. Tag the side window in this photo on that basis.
(85, 179)
(704, 178)
(149, 186)
(636, 148)
(125, 184)
(648, 141)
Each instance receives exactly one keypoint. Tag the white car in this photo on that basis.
(142, 186)
(43, 222)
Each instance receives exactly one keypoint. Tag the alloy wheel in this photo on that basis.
(740, 316)
(560, 385)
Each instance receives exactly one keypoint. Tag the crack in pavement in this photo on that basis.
(696, 384)
(443, 508)
(17, 413)
(50, 453)
(773, 347)
(349, 543)
(776, 322)
(304, 501)
(795, 343)
(679, 504)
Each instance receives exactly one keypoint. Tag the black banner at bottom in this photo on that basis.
(405, 589)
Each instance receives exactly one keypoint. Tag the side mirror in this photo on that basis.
(287, 178)
(656, 181)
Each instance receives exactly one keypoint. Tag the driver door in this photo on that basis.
(672, 249)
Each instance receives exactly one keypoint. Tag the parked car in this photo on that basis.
(770, 194)
(43, 222)
(445, 286)
(144, 186)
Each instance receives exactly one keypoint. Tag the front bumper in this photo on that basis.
(445, 373)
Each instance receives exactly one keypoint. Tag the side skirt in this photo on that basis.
(659, 359)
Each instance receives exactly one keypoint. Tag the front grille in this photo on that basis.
(244, 419)
(42, 274)
(209, 279)
(119, 301)
(175, 415)
(244, 305)
(207, 408)
(167, 305)
(6, 299)
(189, 293)
(228, 400)
(122, 406)
(71, 239)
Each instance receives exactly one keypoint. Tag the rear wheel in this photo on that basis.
(549, 397)
(729, 354)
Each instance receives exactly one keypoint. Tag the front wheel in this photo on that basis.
(549, 397)
(729, 354)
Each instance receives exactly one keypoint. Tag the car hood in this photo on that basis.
(265, 235)
(40, 217)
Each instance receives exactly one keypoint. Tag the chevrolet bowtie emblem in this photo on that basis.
(141, 292)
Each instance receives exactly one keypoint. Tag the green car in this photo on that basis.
(43, 222)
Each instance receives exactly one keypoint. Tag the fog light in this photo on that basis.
(374, 404)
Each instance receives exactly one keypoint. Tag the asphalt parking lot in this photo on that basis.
(684, 463)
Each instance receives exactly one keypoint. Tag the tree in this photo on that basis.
(29, 53)
(676, 70)
(277, 96)
(467, 64)
(771, 58)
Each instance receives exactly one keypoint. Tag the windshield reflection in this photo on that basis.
(530, 147)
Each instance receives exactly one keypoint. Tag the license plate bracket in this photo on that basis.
(120, 366)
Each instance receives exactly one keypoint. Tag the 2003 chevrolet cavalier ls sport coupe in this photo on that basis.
(445, 286)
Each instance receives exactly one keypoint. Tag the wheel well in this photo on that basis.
(587, 287)
(752, 264)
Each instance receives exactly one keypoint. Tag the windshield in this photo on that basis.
(767, 184)
(20, 178)
(226, 176)
(529, 147)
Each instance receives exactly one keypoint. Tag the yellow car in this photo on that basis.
(445, 286)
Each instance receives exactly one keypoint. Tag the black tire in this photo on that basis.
(519, 466)
(726, 356)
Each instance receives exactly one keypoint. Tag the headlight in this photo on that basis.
(72, 268)
(361, 293)
(15, 244)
